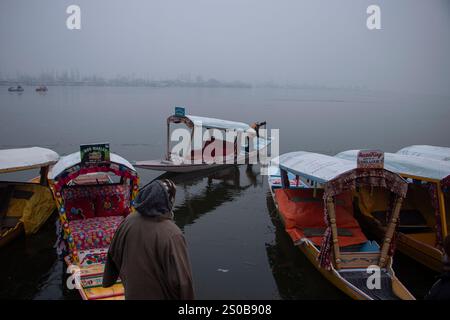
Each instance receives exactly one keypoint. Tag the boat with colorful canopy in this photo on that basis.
(426, 151)
(320, 220)
(245, 145)
(423, 217)
(94, 191)
(24, 206)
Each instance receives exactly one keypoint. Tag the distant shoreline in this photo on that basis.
(133, 83)
(172, 84)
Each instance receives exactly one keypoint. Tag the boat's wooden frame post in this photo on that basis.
(334, 232)
(168, 141)
(284, 179)
(43, 181)
(235, 148)
(441, 200)
(390, 232)
(257, 142)
(247, 149)
(192, 148)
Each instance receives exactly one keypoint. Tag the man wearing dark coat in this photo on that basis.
(148, 251)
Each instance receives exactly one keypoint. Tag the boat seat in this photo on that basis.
(303, 216)
(9, 222)
(94, 233)
(411, 221)
(84, 202)
(319, 232)
(369, 246)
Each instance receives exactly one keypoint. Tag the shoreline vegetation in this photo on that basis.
(74, 79)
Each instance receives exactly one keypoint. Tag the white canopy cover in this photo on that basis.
(408, 165)
(432, 152)
(314, 166)
(214, 123)
(72, 159)
(26, 158)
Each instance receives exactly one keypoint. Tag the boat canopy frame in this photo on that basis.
(69, 168)
(193, 122)
(337, 176)
(22, 159)
(436, 173)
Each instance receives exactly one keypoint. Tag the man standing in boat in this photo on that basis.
(149, 251)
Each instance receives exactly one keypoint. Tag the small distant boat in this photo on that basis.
(42, 89)
(16, 89)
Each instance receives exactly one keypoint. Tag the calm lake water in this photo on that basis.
(227, 215)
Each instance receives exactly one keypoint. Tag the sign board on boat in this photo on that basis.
(370, 159)
(180, 111)
(94, 153)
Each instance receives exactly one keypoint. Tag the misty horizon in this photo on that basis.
(321, 43)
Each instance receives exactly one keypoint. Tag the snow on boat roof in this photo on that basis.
(314, 166)
(26, 158)
(407, 165)
(432, 152)
(214, 123)
(72, 159)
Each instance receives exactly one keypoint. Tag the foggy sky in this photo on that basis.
(285, 41)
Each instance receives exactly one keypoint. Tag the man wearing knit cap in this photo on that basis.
(149, 251)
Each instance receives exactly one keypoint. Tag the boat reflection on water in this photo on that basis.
(201, 192)
(295, 276)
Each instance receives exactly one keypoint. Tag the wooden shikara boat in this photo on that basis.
(195, 158)
(24, 206)
(426, 151)
(92, 198)
(321, 187)
(423, 216)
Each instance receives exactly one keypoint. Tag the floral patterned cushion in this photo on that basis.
(93, 256)
(94, 232)
(113, 203)
(96, 201)
(79, 209)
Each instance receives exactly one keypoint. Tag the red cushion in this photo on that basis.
(79, 209)
(301, 210)
(110, 206)
(113, 202)
(101, 201)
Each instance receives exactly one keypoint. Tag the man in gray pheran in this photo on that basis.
(149, 251)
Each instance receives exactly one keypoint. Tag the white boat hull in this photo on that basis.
(185, 165)
(169, 166)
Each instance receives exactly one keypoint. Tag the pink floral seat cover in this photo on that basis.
(94, 233)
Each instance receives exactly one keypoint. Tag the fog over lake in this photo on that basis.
(314, 71)
(289, 41)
